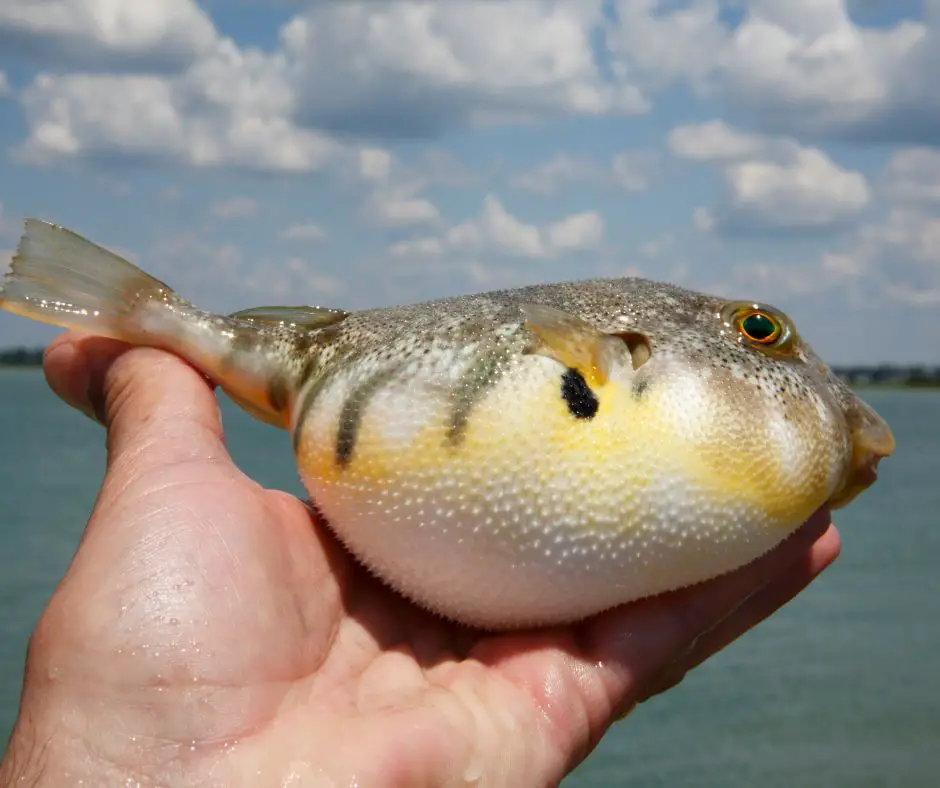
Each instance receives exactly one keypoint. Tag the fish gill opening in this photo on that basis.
(641, 350)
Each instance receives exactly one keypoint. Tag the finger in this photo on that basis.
(753, 611)
(72, 361)
(157, 408)
(635, 642)
(583, 679)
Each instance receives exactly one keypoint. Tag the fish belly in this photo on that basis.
(530, 517)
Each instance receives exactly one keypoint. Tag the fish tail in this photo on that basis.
(60, 278)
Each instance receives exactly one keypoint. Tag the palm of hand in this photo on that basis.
(234, 634)
(213, 632)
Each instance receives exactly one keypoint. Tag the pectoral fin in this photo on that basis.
(574, 342)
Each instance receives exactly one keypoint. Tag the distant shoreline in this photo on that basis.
(883, 376)
(21, 357)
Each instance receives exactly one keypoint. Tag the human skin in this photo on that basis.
(212, 632)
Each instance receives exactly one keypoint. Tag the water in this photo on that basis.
(842, 688)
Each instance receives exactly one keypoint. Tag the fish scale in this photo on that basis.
(516, 458)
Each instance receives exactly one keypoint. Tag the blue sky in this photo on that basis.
(369, 153)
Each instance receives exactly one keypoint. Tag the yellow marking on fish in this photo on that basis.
(633, 440)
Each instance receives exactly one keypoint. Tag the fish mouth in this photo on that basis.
(872, 441)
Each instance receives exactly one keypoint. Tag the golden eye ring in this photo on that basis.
(759, 326)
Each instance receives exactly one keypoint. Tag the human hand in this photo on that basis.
(212, 632)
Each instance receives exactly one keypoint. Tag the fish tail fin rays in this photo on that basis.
(60, 278)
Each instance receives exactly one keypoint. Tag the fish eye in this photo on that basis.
(760, 326)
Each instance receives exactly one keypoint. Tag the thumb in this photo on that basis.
(158, 410)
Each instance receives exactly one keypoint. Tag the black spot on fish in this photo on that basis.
(582, 402)
(640, 387)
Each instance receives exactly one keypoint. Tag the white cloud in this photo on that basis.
(657, 247)
(399, 207)
(375, 164)
(95, 33)
(658, 46)
(239, 207)
(841, 266)
(421, 67)
(627, 170)
(702, 219)
(497, 231)
(548, 177)
(440, 168)
(298, 276)
(226, 118)
(249, 279)
(810, 191)
(771, 183)
(395, 198)
(578, 231)
(789, 66)
(771, 281)
(905, 234)
(304, 232)
(805, 65)
(4, 85)
(896, 257)
(914, 296)
(631, 171)
(792, 284)
(715, 141)
(913, 175)
(427, 246)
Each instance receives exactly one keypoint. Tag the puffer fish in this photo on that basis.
(515, 458)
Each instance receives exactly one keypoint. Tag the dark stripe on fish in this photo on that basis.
(307, 344)
(354, 408)
(278, 393)
(581, 401)
(310, 396)
(482, 374)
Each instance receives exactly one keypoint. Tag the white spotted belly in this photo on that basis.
(501, 562)
(533, 517)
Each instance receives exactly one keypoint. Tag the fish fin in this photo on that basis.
(58, 277)
(257, 408)
(573, 342)
(307, 317)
